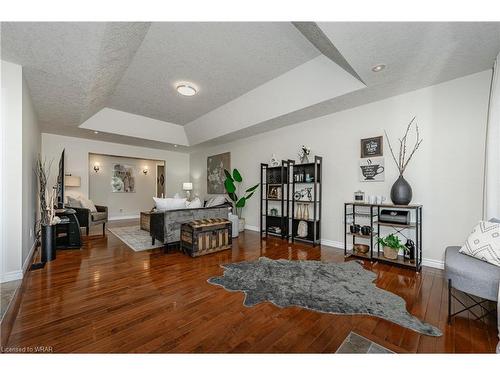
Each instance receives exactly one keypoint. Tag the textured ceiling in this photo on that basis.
(224, 60)
(73, 70)
(415, 51)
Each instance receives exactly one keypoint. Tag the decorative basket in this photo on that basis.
(360, 248)
(390, 253)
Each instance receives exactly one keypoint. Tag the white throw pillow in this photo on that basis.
(484, 243)
(195, 203)
(73, 202)
(168, 204)
(87, 203)
(216, 201)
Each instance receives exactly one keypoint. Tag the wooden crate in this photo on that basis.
(145, 221)
(200, 237)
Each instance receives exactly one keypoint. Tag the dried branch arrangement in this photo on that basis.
(47, 200)
(403, 157)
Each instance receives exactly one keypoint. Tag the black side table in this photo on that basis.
(68, 230)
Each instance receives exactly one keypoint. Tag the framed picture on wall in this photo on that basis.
(371, 170)
(372, 147)
(215, 172)
(122, 179)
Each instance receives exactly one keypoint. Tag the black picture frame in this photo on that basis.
(372, 147)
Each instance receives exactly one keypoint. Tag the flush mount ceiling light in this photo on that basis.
(186, 89)
(96, 132)
(378, 68)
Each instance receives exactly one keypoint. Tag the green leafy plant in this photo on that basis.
(233, 185)
(391, 241)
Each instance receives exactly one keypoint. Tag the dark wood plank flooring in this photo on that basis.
(108, 298)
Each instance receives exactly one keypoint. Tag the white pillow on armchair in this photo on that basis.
(87, 203)
(484, 242)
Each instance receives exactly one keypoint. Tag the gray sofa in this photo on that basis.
(165, 226)
(472, 276)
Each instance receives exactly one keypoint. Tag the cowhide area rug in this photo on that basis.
(336, 288)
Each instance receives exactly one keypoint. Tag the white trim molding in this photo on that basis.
(11, 276)
(253, 228)
(433, 263)
(29, 258)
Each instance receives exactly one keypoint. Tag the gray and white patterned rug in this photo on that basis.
(135, 238)
(337, 288)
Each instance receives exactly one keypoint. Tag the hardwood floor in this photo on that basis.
(108, 298)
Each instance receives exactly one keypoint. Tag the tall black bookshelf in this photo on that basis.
(306, 200)
(274, 196)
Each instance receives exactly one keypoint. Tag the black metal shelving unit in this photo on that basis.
(278, 177)
(313, 196)
(369, 214)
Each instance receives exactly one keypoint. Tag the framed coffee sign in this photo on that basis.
(371, 170)
(372, 147)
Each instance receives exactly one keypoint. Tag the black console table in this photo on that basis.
(368, 215)
(68, 230)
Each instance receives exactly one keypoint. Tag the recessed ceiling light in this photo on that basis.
(378, 68)
(96, 132)
(175, 146)
(186, 89)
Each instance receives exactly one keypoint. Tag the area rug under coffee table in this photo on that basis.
(135, 238)
(337, 288)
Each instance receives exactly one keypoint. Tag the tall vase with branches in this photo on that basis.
(48, 218)
(401, 192)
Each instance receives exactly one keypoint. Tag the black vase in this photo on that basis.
(48, 243)
(401, 193)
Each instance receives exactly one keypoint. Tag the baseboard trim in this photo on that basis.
(113, 218)
(337, 244)
(253, 228)
(29, 258)
(439, 264)
(11, 276)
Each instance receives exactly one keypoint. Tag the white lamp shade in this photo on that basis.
(72, 181)
(187, 186)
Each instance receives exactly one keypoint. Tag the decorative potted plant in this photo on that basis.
(233, 185)
(303, 154)
(401, 192)
(392, 244)
(48, 219)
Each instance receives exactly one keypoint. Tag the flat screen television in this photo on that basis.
(60, 183)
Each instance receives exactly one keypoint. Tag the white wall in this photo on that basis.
(122, 204)
(20, 145)
(12, 112)
(446, 174)
(31, 150)
(77, 160)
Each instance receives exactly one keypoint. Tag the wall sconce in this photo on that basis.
(145, 170)
(96, 167)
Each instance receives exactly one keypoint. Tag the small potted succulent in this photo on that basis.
(392, 244)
